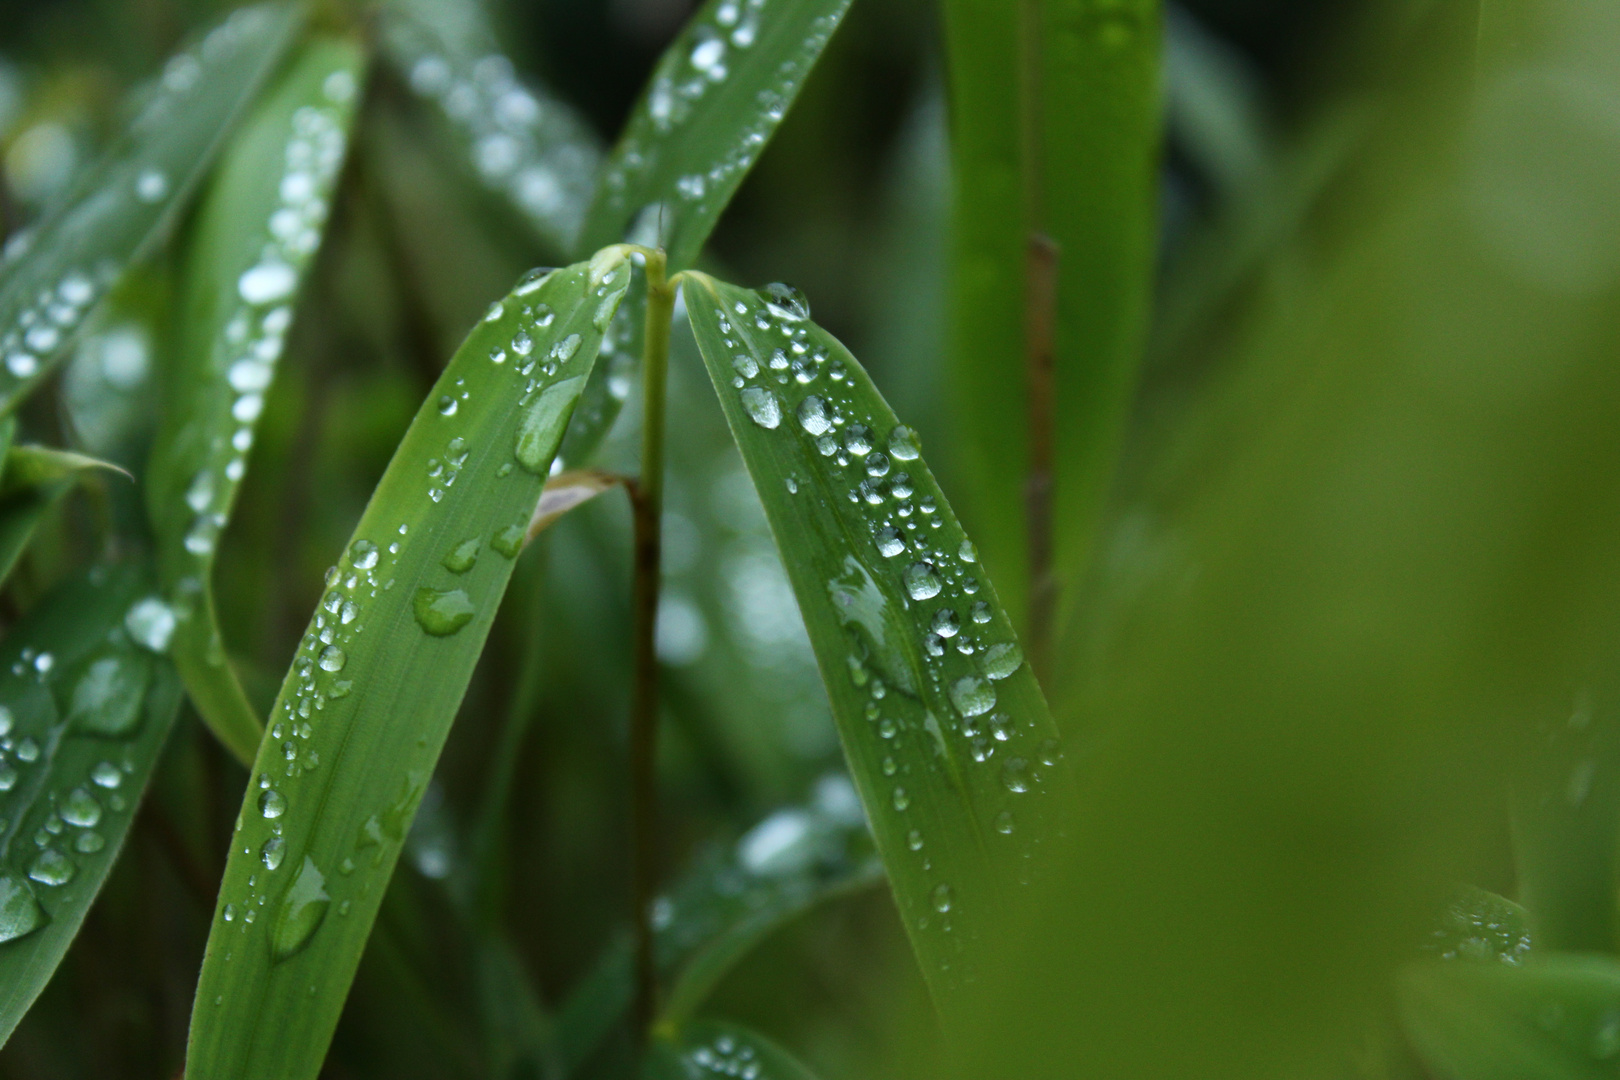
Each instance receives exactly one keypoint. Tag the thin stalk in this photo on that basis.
(647, 502)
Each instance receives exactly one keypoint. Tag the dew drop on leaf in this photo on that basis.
(542, 425)
(761, 406)
(921, 582)
(300, 912)
(272, 803)
(1000, 661)
(508, 541)
(972, 696)
(80, 809)
(813, 416)
(20, 913)
(51, 867)
(333, 658)
(785, 302)
(941, 898)
(363, 554)
(463, 556)
(903, 444)
(1015, 775)
(273, 851)
(442, 612)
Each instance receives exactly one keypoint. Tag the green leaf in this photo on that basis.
(618, 371)
(86, 707)
(1552, 1018)
(947, 734)
(53, 276)
(257, 231)
(522, 142)
(377, 680)
(714, 100)
(718, 1048)
(35, 477)
(1480, 925)
(725, 903)
(1055, 132)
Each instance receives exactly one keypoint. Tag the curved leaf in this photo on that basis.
(708, 1048)
(377, 680)
(85, 707)
(54, 275)
(714, 100)
(35, 477)
(947, 734)
(257, 231)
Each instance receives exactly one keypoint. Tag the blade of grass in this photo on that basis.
(114, 214)
(35, 478)
(522, 142)
(725, 903)
(615, 374)
(714, 100)
(258, 228)
(86, 708)
(945, 729)
(719, 1048)
(364, 712)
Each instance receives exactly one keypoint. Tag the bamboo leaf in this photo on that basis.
(947, 734)
(257, 231)
(54, 276)
(725, 903)
(377, 680)
(1553, 1018)
(523, 143)
(618, 370)
(719, 1048)
(713, 102)
(86, 707)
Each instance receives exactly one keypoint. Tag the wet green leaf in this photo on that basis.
(85, 706)
(1480, 925)
(258, 228)
(51, 277)
(361, 718)
(708, 1048)
(714, 101)
(1556, 1017)
(945, 729)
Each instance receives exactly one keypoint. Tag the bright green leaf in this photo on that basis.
(259, 225)
(54, 275)
(714, 100)
(947, 734)
(85, 707)
(708, 1048)
(364, 712)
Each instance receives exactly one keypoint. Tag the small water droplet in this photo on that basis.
(877, 466)
(1000, 661)
(80, 809)
(945, 623)
(89, 842)
(20, 913)
(901, 800)
(565, 349)
(542, 425)
(51, 867)
(972, 695)
(531, 281)
(447, 405)
(981, 612)
(914, 840)
(150, 622)
(508, 541)
(333, 658)
(442, 612)
(890, 766)
(941, 898)
(106, 775)
(273, 851)
(921, 582)
(785, 302)
(272, 803)
(1004, 823)
(904, 444)
(890, 542)
(858, 440)
(1015, 775)
(363, 554)
(496, 310)
(761, 406)
(463, 556)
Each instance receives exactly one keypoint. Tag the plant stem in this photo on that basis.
(647, 501)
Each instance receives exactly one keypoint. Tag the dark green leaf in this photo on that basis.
(708, 1048)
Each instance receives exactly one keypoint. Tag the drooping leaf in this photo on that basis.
(52, 276)
(524, 143)
(722, 906)
(945, 729)
(85, 705)
(706, 1048)
(258, 228)
(360, 720)
(715, 98)
(1556, 1017)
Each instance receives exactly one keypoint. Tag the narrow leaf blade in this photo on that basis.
(715, 99)
(55, 275)
(257, 231)
(86, 707)
(365, 710)
(948, 737)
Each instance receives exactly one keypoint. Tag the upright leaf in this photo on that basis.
(377, 680)
(51, 277)
(257, 231)
(523, 142)
(714, 100)
(947, 734)
(718, 1048)
(84, 710)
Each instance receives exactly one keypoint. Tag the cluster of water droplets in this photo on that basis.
(725, 1055)
(928, 646)
(255, 334)
(711, 48)
(523, 143)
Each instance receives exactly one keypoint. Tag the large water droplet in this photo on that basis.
(20, 913)
(51, 867)
(785, 302)
(1000, 661)
(508, 541)
(442, 612)
(272, 803)
(903, 444)
(80, 809)
(813, 416)
(921, 582)
(463, 556)
(266, 283)
(363, 554)
(273, 851)
(858, 440)
(106, 775)
(972, 696)
(150, 623)
(890, 542)
(541, 428)
(108, 696)
(333, 658)
(565, 349)
(945, 623)
(761, 406)
(302, 908)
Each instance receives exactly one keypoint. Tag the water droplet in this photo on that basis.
(89, 842)
(508, 541)
(267, 283)
(106, 775)
(531, 281)
(107, 698)
(921, 582)
(887, 728)
(1015, 775)
(972, 695)
(150, 623)
(565, 349)
(858, 440)
(890, 766)
(28, 751)
(1000, 661)
(20, 913)
(447, 405)
(302, 908)
(541, 428)
(785, 302)
(901, 799)
(51, 867)
(1004, 823)
(442, 612)
(904, 444)
(914, 840)
(813, 416)
(8, 776)
(941, 898)
(151, 185)
(877, 466)
(981, 612)
(273, 851)
(80, 809)
(333, 658)
(463, 556)
(761, 406)
(945, 623)
(496, 310)
(889, 542)
(272, 803)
